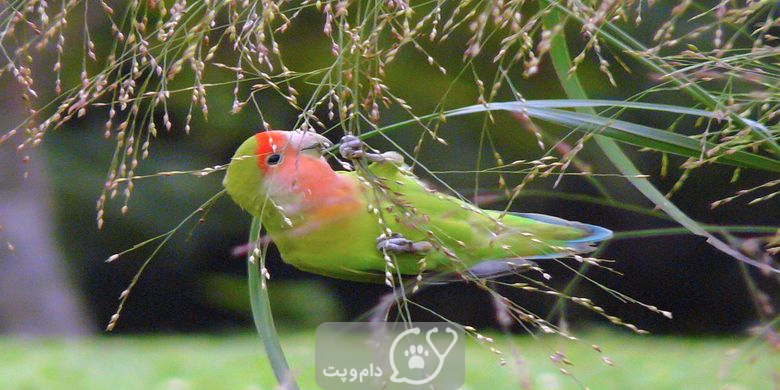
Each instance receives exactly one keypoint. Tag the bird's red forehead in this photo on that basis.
(270, 142)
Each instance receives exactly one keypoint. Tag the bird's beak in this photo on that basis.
(308, 141)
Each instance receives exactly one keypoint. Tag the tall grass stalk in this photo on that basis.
(263, 316)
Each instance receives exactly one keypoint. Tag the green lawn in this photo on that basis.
(237, 362)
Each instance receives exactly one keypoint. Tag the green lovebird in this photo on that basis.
(380, 222)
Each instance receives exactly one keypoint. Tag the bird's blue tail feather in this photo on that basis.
(594, 233)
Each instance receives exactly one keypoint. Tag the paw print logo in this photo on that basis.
(415, 355)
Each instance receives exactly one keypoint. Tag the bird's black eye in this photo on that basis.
(273, 159)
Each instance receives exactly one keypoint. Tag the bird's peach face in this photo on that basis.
(274, 147)
(261, 155)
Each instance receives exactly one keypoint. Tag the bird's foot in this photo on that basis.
(398, 244)
(352, 148)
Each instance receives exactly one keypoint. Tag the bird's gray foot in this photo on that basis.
(398, 244)
(352, 148)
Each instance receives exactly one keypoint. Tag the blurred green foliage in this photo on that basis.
(238, 363)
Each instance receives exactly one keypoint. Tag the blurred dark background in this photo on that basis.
(195, 284)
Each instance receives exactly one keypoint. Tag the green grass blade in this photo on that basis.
(572, 103)
(264, 320)
(627, 132)
(656, 139)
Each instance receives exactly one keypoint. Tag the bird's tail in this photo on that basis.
(593, 234)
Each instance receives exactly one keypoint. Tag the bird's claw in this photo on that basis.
(398, 244)
(352, 148)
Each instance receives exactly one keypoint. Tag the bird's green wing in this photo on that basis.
(466, 235)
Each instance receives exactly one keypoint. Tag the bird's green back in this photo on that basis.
(464, 234)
